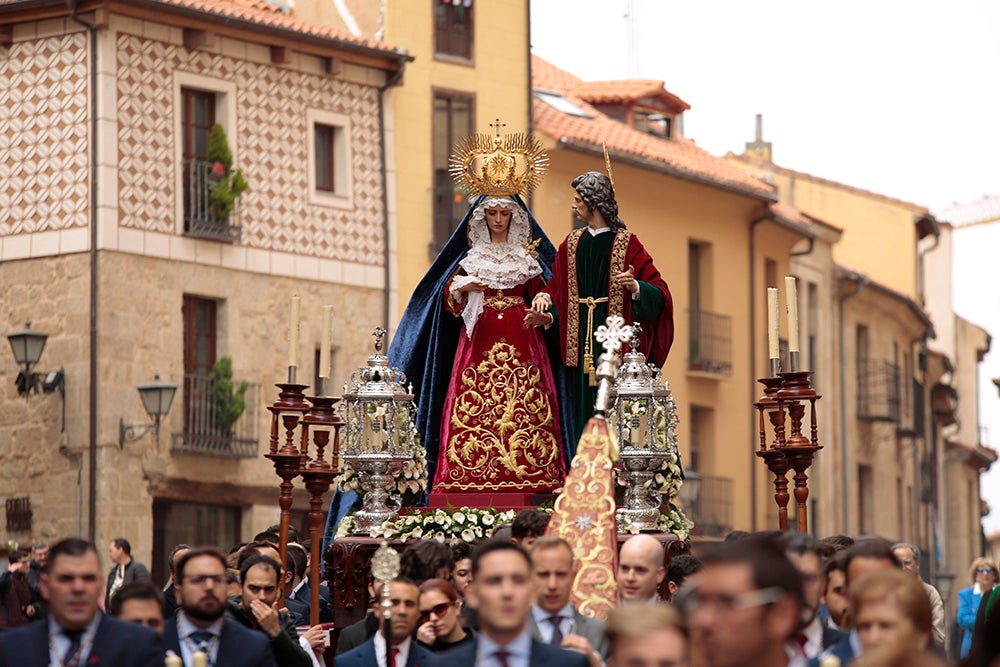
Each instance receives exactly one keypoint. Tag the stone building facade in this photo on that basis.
(106, 247)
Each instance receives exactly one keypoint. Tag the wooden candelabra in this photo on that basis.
(287, 458)
(320, 422)
(787, 394)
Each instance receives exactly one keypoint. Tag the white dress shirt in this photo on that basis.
(518, 651)
(184, 629)
(59, 643)
(381, 653)
(545, 628)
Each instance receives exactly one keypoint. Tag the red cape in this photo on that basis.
(656, 337)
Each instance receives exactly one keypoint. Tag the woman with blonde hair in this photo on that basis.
(984, 577)
(891, 609)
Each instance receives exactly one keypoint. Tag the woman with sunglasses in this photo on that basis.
(440, 629)
(984, 577)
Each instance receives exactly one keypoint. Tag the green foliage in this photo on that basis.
(218, 147)
(229, 401)
(224, 193)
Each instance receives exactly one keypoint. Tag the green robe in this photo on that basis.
(593, 260)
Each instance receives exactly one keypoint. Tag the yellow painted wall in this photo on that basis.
(666, 213)
(879, 238)
(497, 77)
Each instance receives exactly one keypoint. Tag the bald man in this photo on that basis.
(640, 570)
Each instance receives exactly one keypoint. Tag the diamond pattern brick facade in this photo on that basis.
(43, 135)
(271, 135)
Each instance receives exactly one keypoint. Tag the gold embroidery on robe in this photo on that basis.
(619, 248)
(573, 292)
(499, 425)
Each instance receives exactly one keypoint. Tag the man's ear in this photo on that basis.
(661, 574)
(43, 584)
(784, 617)
(672, 589)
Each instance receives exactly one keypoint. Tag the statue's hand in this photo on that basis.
(541, 303)
(533, 318)
(627, 280)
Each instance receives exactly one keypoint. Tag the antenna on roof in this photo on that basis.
(632, 24)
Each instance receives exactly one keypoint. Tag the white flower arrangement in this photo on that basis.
(672, 520)
(469, 524)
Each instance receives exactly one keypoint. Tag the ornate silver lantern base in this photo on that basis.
(641, 508)
(376, 472)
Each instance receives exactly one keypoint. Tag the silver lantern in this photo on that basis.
(644, 418)
(381, 436)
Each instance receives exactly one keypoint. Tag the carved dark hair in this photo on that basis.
(596, 191)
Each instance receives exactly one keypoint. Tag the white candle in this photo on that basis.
(293, 333)
(199, 659)
(772, 322)
(173, 660)
(324, 350)
(792, 308)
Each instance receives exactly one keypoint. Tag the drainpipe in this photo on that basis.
(859, 280)
(753, 360)
(92, 404)
(393, 80)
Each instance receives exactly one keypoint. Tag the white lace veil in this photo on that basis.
(520, 226)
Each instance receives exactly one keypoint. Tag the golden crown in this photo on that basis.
(495, 165)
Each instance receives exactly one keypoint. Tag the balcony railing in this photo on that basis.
(711, 343)
(202, 433)
(712, 508)
(199, 220)
(878, 390)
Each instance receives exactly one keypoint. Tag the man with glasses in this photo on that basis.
(75, 631)
(746, 603)
(404, 652)
(200, 623)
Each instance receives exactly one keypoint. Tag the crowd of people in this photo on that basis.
(763, 599)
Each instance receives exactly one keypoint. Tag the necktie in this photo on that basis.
(502, 657)
(201, 639)
(72, 655)
(557, 635)
(392, 657)
(801, 641)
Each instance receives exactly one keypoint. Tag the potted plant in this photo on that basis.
(228, 401)
(227, 185)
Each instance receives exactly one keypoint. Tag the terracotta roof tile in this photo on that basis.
(262, 14)
(628, 90)
(678, 156)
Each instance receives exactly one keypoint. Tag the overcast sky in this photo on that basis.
(896, 96)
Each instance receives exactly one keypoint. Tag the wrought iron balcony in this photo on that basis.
(199, 219)
(203, 433)
(878, 390)
(712, 508)
(711, 343)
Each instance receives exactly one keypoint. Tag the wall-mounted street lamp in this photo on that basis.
(156, 399)
(27, 346)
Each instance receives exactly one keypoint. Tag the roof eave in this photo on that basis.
(664, 168)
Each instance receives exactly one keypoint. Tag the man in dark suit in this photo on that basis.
(405, 597)
(200, 623)
(256, 609)
(502, 589)
(75, 631)
(814, 637)
(126, 569)
(553, 618)
(867, 554)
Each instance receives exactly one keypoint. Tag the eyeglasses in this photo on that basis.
(438, 610)
(726, 603)
(984, 570)
(200, 579)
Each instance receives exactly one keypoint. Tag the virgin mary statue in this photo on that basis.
(488, 407)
